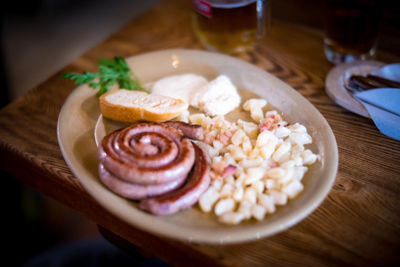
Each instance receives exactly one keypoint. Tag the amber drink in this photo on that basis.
(227, 25)
(351, 29)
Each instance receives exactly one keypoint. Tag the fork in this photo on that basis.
(358, 83)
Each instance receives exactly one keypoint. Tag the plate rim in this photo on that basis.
(250, 233)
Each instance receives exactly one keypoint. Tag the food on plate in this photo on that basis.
(146, 160)
(136, 191)
(192, 131)
(187, 195)
(111, 72)
(179, 86)
(217, 97)
(256, 165)
(237, 170)
(132, 106)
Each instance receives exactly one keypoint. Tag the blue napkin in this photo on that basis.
(383, 105)
(390, 72)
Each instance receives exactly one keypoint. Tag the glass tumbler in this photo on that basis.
(229, 25)
(351, 29)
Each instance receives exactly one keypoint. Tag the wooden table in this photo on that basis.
(357, 224)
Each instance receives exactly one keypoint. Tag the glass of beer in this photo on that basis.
(351, 29)
(229, 25)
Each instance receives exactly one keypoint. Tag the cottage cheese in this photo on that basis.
(217, 97)
(179, 86)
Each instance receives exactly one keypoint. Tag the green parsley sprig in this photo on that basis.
(110, 72)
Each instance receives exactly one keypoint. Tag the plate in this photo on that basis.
(80, 113)
(335, 83)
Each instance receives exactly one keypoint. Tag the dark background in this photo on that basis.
(38, 38)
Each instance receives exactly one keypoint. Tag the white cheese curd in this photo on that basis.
(218, 97)
(179, 86)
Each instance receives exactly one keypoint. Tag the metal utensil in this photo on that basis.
(358, 83)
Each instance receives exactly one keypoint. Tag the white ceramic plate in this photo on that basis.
(80, 112)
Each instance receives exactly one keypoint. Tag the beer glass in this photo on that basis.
(229, 25)
(351, 29)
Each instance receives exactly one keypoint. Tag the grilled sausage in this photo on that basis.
(187, 195)
(192, 131)
(136, 191)
(147, 153)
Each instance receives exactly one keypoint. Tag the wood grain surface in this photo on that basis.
(357, 224)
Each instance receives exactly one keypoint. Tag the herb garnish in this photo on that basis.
(111, 71)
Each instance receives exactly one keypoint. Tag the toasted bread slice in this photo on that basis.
(132, 106)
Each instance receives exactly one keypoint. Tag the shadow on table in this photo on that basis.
(95, 252)
(39, 231)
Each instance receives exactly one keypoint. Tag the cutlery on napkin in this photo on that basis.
(383, 104)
